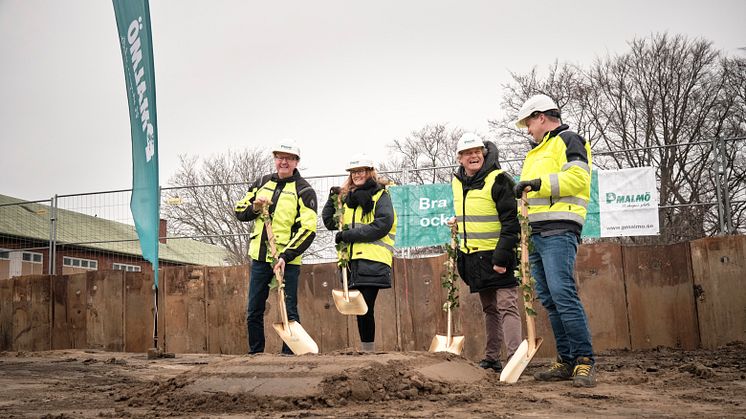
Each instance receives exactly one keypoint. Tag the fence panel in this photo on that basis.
(139, 308)
(6, 314)
(69, 311)
(600, 281)
(32, 322)
(719, 269)
(104, 317)
(660, 296)
(227, 294)
(184, 310)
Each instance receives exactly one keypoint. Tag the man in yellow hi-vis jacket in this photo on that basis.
(293, 214)
(557, 175)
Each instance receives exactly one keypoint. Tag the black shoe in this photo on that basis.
(559, 371)
(491, 365)
(584, 374)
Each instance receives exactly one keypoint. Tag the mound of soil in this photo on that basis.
(659, 383)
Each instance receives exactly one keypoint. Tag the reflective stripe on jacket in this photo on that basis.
(565, 185)
(478, 221)
(380, 250)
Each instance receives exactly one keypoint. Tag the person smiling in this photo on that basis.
(370, 216)
(488, 227)
(292, 208)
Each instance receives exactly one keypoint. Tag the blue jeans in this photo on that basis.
(261, 275)
(552, 265)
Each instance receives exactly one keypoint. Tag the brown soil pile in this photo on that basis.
(657, 383)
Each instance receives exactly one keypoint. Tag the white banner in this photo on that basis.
(628, 202)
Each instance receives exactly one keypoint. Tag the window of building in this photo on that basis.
(126, 267)
(32, 257)
(4, 254)
(89, 264)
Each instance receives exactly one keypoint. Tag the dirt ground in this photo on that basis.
(88, 384)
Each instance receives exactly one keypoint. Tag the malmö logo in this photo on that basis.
(612, 198)
(135, 49)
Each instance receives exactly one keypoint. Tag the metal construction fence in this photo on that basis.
(94, 231)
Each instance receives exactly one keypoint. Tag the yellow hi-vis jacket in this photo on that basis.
(380, 250)
(563, 163)
(478, 221)
(293, 214)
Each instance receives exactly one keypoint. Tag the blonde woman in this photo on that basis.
(371, 228)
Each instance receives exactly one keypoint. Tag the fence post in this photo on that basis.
(723, 175)
(718, 187)
(53, 237)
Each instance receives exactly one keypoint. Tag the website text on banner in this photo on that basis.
(133, 23)
(424, 209)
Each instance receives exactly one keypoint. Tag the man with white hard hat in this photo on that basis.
(557, 178)
(488, 231)
(292, 207)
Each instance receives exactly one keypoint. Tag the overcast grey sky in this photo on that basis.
(338, 76)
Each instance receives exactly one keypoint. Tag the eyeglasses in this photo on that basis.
(286, 158)
(358, 171)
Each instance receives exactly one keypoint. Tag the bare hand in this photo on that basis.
(499, 269)
(451, 221)
(260, 202)
(279, 268)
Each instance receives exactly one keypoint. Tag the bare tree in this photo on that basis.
(432, 146)
(659, 104)
(200, 203)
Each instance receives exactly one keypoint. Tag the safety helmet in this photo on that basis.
(360, 160)
(469, 140)
(287, 146)
(536, 103)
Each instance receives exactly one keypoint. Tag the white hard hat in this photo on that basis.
(287, 146)
(469, 140)
(536, 103)
(360, 160)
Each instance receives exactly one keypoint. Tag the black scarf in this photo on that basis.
(362, 196)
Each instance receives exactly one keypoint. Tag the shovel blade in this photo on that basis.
(519, 361)
(440, 344)
(296, 338)
(354, 306)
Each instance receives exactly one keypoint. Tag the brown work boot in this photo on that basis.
(584, 374)
(559, 371)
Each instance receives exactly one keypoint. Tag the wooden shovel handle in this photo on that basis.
(273, 251)
(525, 274)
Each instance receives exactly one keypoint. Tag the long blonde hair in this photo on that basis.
(349, 186)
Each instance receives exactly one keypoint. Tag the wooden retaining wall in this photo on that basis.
(686, 295)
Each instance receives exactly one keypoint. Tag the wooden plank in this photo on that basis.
(319, 315)
(719, 269)
(184, 315)
(69, 312)
(104, 317)
(227, 291)
(139, 309)
(6, 314)
(419, 299)
(600, 280)
(32, 322)
(660, 296)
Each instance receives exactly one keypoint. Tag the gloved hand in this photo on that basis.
(335, 190)
(338, 237)
(533, 185)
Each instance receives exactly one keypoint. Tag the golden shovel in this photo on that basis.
(291, 332)
(349, 303)
(449, 343)
(528, 348)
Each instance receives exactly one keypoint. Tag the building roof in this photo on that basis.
(31, 220)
